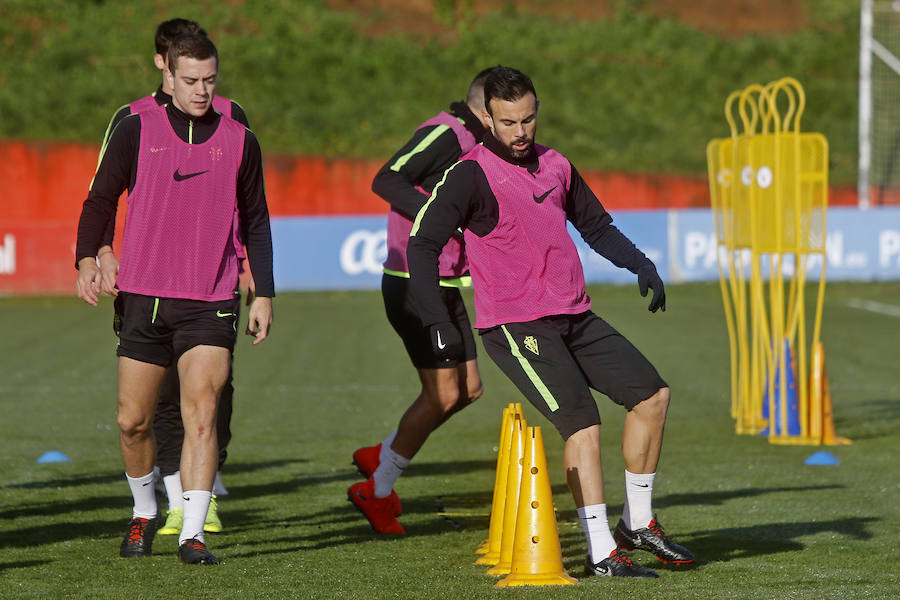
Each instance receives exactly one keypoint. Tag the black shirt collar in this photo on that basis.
(210, 117)
(161, 97)
(471, 120)
(529, 161)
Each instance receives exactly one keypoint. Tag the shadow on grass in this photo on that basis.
(119, 476)
(69, 528)
(742, 542)
(733, 543)
(719, 497)
(22, 564)
(286, 486)
(432, 469)
(58, 508)
(29, 537)
(343, 525)
(250, 467)
(881, 416)
(99, 478)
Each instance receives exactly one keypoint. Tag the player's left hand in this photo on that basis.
(260, 319)
(649, 278)
(109, 270)
(88, 283)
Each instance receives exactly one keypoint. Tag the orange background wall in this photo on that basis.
(42, 187)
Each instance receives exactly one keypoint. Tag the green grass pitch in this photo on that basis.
(334, 376)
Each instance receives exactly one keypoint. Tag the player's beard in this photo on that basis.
(520, 154)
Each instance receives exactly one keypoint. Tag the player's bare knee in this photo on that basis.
(656, 406)
(451, 399)
(134, 427)
(201, 395)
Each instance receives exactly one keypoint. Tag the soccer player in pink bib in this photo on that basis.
(513, 198)
(167, 427)
(449, 384)
(189, 173)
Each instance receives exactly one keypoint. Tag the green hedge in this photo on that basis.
(634, 93)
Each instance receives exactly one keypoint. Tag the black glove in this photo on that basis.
(649, 278)
(446, 341)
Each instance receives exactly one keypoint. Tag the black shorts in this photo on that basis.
(554, 361)
(160, 330)
(405, 320)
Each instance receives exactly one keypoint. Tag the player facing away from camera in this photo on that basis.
(449, 383)
(513, 198)
(167, 426)
(189, 173)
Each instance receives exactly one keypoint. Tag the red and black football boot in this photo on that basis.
(194, 552)
(653, 540)
(617, 565)
(139, 537)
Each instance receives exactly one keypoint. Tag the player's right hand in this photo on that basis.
(88, 282)
(446, 341)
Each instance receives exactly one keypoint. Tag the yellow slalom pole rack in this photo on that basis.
(769, 195)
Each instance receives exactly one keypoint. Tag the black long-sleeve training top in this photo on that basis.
(118, 169)
(465, 201)
(161, 97)
(423, 167)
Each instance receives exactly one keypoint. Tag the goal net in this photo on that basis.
(879, 165)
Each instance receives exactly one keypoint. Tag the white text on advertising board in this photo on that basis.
(363, 251)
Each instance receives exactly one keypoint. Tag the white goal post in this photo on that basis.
(879, 103)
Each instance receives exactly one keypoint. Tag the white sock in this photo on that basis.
(386, 445)
(219, 488)
(196, 505)
(388, 471)
(638, 511)
(596, 529)
(173, 490)
(144, 495)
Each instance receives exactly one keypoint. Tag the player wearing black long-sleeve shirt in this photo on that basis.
(421, 162)
(448, 384)
(513, 199)
(167, 427)
(180, 223)
(467, 201)
(118, 169)
(161, 97)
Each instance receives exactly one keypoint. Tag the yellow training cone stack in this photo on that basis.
(536, 556)
(490, 548)
(510, 507)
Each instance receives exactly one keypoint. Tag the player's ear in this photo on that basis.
(160, 62)
(486, 119)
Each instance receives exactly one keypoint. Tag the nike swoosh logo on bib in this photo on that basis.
(543, 196)
(179, 177)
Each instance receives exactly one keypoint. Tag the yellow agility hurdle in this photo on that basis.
(769, 195)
